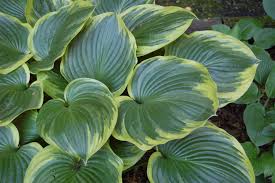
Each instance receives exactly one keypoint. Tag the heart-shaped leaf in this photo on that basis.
(91, 56)
(118, 6)
(155, 26)
(230, 62)
(269, 7)
(54, 31)
(14, 160)
(208, 154)
(251, 95)
(38, 8)
(53, 165)
(265, 65)
(15, 8)
(14, 49)
(53, 83)
(26, 125)
(170, 97)
(128, 152)
(254, 119)
(265, 38)
(82, 123)
(16, 96)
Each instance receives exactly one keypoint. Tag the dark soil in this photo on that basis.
(229, 118)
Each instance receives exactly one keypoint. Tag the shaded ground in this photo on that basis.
(230, 118)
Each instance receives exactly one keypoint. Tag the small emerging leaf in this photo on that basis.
(221, 28)
(254, 119)
(265, 38)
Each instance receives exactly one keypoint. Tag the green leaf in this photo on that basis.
(268, 164)
(247, 27)
(269, 130)
(88, 115)
(15, 8)
(14, 160)
(155, 26)
(260, 179)
(270, 84)
(269, 7)
(251, 95)
(230, 62)
(52, 165)
(208, 154)
(221, 28)
(170, 97)
(265, 65)
(105, 50)
(26, 125)
(252, 153)
(265, 38)
(17, 96)
(254, 119)
(118, 6)
(38, 8)
(128, 152)
(274, 150)
(53, 83)
(53, 32)
(13, 44)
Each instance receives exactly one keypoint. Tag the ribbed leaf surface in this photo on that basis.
(155, 26)
(170, 97)
(26, 125)
(15, 8)
(53, 32)
(230, 62)
(128, 152)
(16, 96)
(208, 154)
(52, 165)
(117, 6)
(14, 160)
(105, 51)
(82, 123)
(13, 43)
(38, 8)
(53, 83)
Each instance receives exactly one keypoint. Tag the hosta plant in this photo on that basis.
(73, 73)
(259, 114)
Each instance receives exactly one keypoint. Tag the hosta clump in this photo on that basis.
(84, 54)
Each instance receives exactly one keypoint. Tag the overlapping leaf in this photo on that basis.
(208, 154)
(15, 8)
(16, 96)
(270, 84)
(155, 26)
(38, 8)
(53, 165)
(88, 115)
(13, 43)
(26, 124)
(170, 97)
(54, 31)
(128, 152)
(14, 160)
(269, 6)
(251, 95)
(231, 63)
(105, 51)
(117, 6)
(53, 83)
